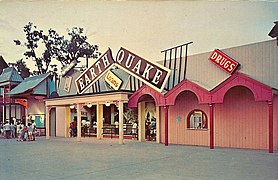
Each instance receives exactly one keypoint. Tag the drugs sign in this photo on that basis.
(223, 61)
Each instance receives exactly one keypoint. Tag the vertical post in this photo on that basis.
(211, 126)
(157, 124)
(170, 66)
(10, 106)
(185, 62)
(67, 121)
(166, 124)
(99, 121)
(47, 123)
(175, 63)
(79, 122)
(3, 106)
(141, 122)
(179, 79)
(121, 122)
(270, 119)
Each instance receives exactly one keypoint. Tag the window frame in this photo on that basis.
(204, 120)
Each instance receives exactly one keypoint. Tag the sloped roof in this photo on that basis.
(258, 61)
(28, 84)
(9, 74)
(3, 64)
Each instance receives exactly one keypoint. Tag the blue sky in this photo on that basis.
(143, 27)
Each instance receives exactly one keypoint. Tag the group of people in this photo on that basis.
(18, 130)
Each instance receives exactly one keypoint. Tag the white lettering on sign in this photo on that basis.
(223, 61)
(93, 73)
(151, 73)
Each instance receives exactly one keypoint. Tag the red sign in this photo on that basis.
(93, 73)
(223, 61)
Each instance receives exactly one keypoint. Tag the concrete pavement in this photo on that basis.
(61, 158)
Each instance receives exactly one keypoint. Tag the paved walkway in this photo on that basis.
(61, 158)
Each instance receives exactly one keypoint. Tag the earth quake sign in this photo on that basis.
(93, 73)
(151, 73)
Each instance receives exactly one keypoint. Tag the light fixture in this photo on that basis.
(89, 105)
(72, 106)
(107, 104)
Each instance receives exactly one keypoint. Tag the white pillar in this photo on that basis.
(157, 124)
(121, 122)
(141, 122)
(78, 122)
(99, 121)
(47, 127)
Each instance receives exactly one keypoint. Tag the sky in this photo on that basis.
(143, 27)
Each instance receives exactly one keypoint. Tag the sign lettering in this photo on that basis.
(223, 61)
(93, 73)
(152, 74)
(113, 80)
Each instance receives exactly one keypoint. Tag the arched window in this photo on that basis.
(197, 119)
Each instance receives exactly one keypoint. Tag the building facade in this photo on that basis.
(208, 106)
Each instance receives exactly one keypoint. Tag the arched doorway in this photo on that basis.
(52, 115)
(148, 119)
(241, 122)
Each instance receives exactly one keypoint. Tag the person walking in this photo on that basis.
(30, 132)
(1, 129)
(13, 127)
(7, 130)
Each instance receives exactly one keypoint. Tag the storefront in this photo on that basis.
(217, 108)
(225, 98)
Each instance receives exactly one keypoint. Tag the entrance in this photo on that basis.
(150, 121)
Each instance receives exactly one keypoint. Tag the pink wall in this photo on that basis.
(178, 132)
(240, 122)
(275, 122)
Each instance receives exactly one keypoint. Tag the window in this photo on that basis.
(197, 119)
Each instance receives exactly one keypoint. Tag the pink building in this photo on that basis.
(225, 98)
(217, 109)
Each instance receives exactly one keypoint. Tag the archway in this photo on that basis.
(241, 122)
(180, 117)
(52, 115)
(148, 119)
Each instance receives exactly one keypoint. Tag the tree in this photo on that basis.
(67, 51)
(21, 67)
(34, 39)
(55, 46)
